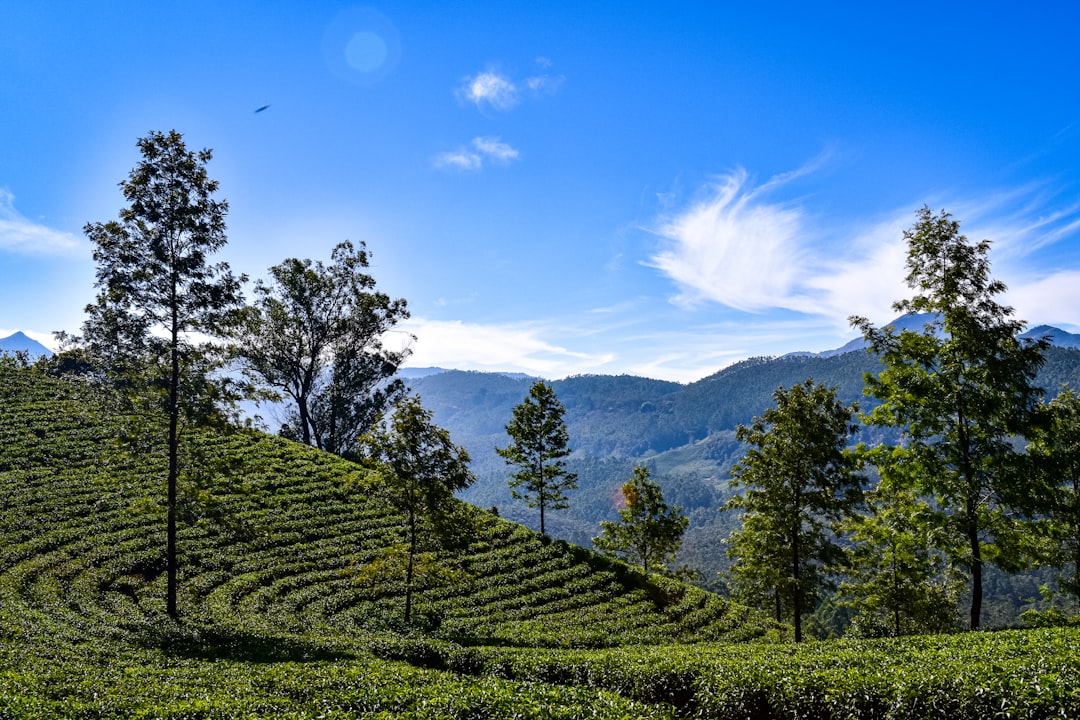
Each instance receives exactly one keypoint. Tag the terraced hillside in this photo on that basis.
(274, 534)
(276, 623)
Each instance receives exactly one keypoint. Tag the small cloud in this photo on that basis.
(19, 234)
(494, 89)
(544, 84)
(490, 88)
(495, 149)
(480, 151)
(459, 160)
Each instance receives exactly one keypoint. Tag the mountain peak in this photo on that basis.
(20, 341)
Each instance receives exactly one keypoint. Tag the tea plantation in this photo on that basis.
(278, 622)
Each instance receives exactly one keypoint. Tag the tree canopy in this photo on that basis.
(157, 290)
(540, 444)
(962, 391)
(316, 334)
(648, 530)
(419, 470)
(799, 483)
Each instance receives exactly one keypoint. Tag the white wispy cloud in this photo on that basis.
(502, 347)
(20, 234)
(479, 152)
(494, 89)
(490, 88)
(739, 248)
(735, 247)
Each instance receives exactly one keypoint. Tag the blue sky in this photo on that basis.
(562, 187)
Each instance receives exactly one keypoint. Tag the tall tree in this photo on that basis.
(157, 290)
(419, 470)
(315, 334)
(540, 444)
(897, 581)
(648, 529)
(800, 483)
(962, 391)
(1055, 451)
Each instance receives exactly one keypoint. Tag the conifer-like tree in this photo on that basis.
(540, 444)
(158, 290)
(419, 469)
(649, 531)
(799, 482)
(963, 393)
(1055, 451)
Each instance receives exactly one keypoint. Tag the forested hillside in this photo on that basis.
(684, 433)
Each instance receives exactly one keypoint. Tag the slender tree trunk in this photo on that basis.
(409, 568)
(976, 573)
(305, 419)
(174, 467)
(541, 491)
(797, 599)
(895, 594)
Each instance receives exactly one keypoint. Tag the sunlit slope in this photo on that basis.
(272, 535)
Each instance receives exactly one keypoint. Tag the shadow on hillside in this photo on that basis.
(226, 644)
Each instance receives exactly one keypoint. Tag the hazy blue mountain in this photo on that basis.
(1056, 336)
(19, 341)
(410, 373)
(916, 322)
(684, 433)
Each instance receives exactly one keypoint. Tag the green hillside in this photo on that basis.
(276, 625)
(274, 535)
(683, 433)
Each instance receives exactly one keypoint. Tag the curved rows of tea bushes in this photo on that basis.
(276, 623)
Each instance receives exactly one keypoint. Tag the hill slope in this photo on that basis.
(684, 433)
(275, 624)
(274, 534)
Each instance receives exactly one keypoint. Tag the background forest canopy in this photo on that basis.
(965, 468)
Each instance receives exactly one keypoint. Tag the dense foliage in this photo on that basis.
(963, 392)
(648, 529)
(797, 483)
(315, 334)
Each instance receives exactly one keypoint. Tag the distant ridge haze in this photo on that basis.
(912, 322)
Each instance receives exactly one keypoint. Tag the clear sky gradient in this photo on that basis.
(658, 189)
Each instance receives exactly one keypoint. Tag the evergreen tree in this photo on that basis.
(800, 483)
(540, 444)
(897, 581)
(157, 290)
(1055, 451)
(419, 470)
(962, 392)
(648, 529)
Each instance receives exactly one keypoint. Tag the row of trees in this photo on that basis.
(986, 471)
(982, 463)
(169, 323)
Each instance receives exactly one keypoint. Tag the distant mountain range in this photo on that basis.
(685, 433)
(18, 341)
